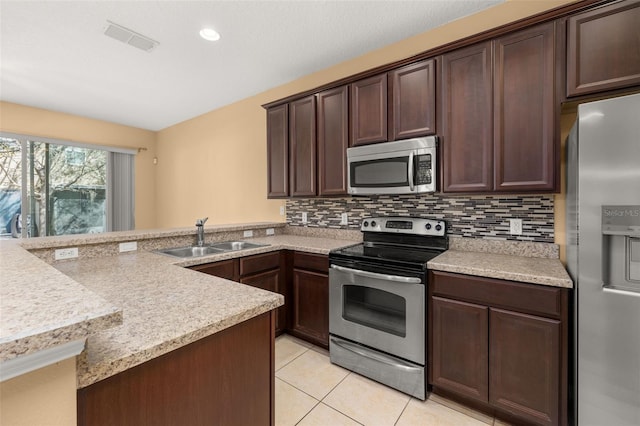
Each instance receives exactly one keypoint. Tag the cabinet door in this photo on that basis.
(524, 110)
(302, 145)
(259, 262)
(414, 100)
(333, 141)
(271, 281)
(227, 269)
(277, 152)
(467, 127)
(369, 110)
(311, 306)
(460, 348)
(603, 49)
(524, 354)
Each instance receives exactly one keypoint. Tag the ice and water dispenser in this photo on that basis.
(621, 247)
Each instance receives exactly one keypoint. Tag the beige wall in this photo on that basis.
(215, 164)
(46, 396)
(26, 120)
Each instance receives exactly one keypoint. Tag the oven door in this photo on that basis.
(383, 310)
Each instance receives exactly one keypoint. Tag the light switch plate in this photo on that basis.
(66, 253)
(248, 234)
(270, 231)
(128, 246)
(344, 219)
(281, 210)
(304, 217)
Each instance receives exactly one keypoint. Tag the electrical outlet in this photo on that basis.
(281, 210)
(270, 231)
(515, 226)
(304, 217)
(130, 246)
(248, 234)
(344, 219)
(66, 253)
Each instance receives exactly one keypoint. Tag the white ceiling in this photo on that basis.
(54, 54)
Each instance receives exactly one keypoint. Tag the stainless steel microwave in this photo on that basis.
(400, 167)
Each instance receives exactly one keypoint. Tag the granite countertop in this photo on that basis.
(166, 306)
(534, 270)
(42, 308)
(142, 234)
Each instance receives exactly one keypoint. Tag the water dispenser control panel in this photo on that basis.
(621, 245)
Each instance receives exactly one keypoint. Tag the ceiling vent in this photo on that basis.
(129, 37)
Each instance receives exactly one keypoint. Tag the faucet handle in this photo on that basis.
(200, 222)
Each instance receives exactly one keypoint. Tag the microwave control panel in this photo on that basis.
(423, 169)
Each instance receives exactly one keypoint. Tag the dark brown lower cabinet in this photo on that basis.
(500, 346)
(460, 346)
(309, 290)
(270, 281)
(311, 306)
(223, 379)
(302, 278)
(263, 271)
(524, 360)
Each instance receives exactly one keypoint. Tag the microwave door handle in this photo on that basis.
(410, 172)
(410, 280)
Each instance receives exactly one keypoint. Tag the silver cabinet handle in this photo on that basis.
(411, 280)
(373, 356)
(410, 172)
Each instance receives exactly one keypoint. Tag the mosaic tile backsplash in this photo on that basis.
(474, 216)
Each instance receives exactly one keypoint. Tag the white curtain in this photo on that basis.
(120, 193)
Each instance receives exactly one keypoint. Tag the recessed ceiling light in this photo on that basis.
(209, 34)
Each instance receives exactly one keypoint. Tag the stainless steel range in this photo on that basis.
(377, 301)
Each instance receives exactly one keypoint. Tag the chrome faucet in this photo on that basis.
(200, 230)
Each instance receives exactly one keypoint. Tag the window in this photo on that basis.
(64, 188)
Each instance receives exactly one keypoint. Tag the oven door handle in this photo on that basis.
(396, 278)
(347, 346)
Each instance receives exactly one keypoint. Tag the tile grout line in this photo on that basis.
(293, 359)
(403, 410)
(308, 412)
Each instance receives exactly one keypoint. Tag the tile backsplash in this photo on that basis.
(471, 216)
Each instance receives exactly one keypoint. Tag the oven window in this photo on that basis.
(375, 308)
(385, 172)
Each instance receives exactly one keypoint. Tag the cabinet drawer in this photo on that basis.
(224, 269)
(313, 262)
(259, 262)
(527, 298)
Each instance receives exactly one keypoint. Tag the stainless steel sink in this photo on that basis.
(194, 251)
(215, 248)
(236, 245)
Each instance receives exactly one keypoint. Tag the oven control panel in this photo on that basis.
(404, 225)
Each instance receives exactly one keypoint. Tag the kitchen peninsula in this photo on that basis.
(178, 326)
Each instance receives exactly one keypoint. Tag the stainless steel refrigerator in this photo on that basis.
(603, 258)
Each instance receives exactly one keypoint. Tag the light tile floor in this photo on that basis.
(310, 391)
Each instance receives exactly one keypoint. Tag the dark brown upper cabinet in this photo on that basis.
(302, 147)
(499, 114)
(524, 111)
(467, 120)
(369, 110)
(333, 141)
(278, 152)
(413, 111)
(603, 48)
